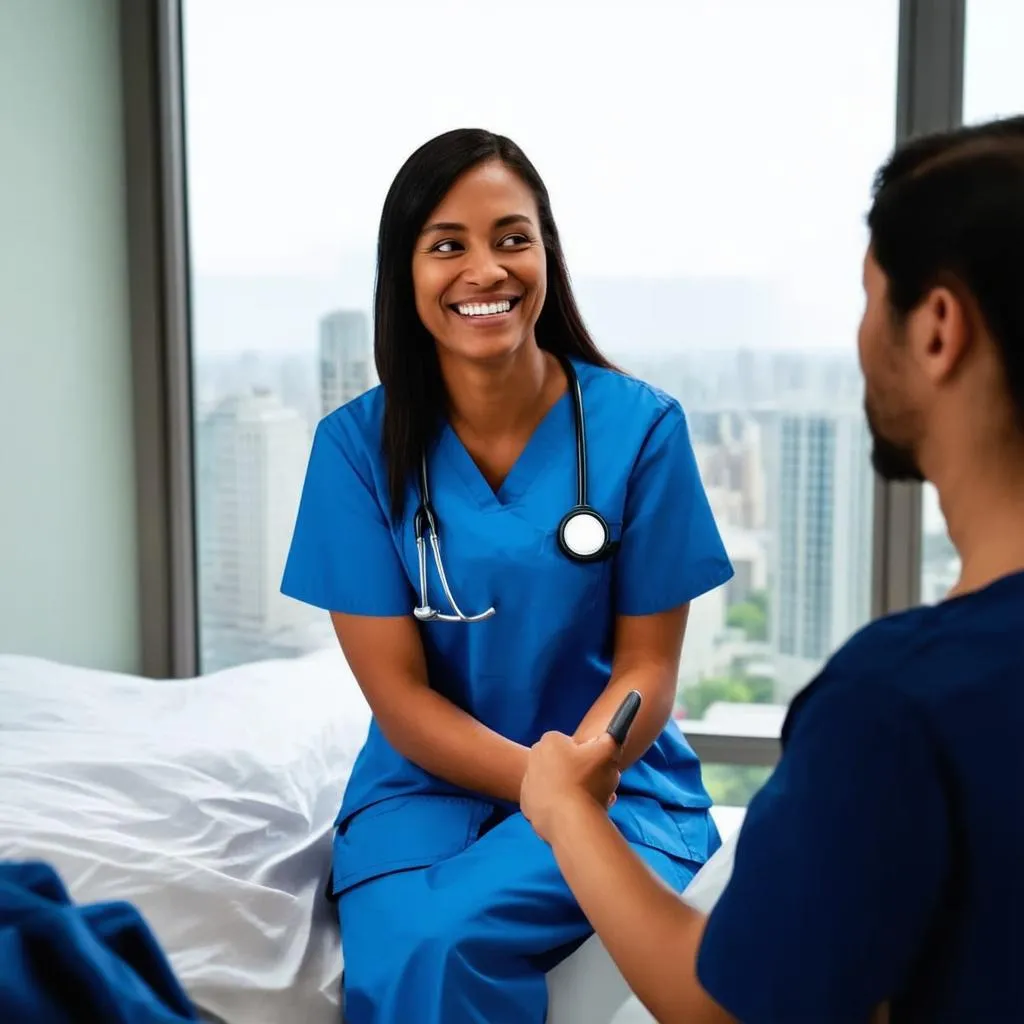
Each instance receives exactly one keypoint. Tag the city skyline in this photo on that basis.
(785, 466)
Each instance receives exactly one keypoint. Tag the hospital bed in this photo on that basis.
(208, 803)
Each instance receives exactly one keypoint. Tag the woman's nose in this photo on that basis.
(485, 270)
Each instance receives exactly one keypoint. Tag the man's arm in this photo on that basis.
(836, 879)
(650, 933)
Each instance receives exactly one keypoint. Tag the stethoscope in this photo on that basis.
(583, 535)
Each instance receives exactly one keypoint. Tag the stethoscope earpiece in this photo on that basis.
(583, 534)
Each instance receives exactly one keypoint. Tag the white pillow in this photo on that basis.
(208, 803)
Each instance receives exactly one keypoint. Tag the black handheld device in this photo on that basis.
(622, 720)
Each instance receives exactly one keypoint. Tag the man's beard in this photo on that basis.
(893, 462)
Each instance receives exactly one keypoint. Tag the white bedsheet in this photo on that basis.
(208, 803)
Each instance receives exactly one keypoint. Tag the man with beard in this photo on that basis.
(883, 863)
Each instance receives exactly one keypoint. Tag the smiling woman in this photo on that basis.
(492, 393)
(475, 215)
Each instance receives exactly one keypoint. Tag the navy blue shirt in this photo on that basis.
(884, 860)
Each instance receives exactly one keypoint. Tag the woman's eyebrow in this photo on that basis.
(512, 218)
(501, 222)
(443, 225)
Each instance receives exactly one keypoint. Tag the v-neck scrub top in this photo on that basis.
(542, 660)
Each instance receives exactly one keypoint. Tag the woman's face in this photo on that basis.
(479, 269)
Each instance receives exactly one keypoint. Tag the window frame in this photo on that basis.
(158, 277)
(929, 96)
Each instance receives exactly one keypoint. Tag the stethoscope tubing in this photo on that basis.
(425, 520)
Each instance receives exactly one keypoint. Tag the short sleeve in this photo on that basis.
(343, 556)
(670, 550)
(839, 867)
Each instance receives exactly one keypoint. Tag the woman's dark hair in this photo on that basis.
(405, 354)
(949, 210)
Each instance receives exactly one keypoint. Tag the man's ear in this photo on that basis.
(940, 332)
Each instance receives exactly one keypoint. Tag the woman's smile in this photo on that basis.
(489, 312)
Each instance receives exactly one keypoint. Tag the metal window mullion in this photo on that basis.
(929, 97)
(722, 748)
(161, 358)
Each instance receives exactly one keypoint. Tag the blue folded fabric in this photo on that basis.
(65, 964)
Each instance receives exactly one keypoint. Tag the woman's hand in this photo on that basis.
(561, 772)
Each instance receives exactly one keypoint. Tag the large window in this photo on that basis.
(993, 72)
(993, 87)
(709, 166)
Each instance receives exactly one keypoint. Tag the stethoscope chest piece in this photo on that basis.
(583, 535)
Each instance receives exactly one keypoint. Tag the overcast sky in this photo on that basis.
(678, 138)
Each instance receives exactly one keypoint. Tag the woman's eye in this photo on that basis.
(449, 245)
(511, 241)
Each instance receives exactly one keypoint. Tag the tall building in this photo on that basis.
(701, 658)
(727, 444)
(345, 358)
(252, 453)
(297, 382)
(822, 518)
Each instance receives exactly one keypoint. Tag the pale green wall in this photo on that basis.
(68, 584)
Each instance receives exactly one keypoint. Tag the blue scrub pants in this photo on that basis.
(468, 940)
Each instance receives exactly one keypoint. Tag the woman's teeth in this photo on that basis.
(485, 308)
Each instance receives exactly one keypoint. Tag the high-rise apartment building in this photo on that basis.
(346, 361)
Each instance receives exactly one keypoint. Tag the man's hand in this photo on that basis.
(561, 772)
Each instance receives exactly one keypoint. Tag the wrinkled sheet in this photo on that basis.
(206, 803)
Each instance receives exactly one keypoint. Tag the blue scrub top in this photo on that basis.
(885, 857)
(542, 660)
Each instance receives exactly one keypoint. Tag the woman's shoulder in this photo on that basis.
(627, 395)
(357, 426)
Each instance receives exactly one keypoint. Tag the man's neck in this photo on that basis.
(982, 499)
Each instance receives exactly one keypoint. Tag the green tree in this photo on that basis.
(736, 689)
(751, 616)
(733, 785)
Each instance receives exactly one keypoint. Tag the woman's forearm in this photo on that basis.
(658, 693)
(387, 658)
(647, 650)
(447, 742)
